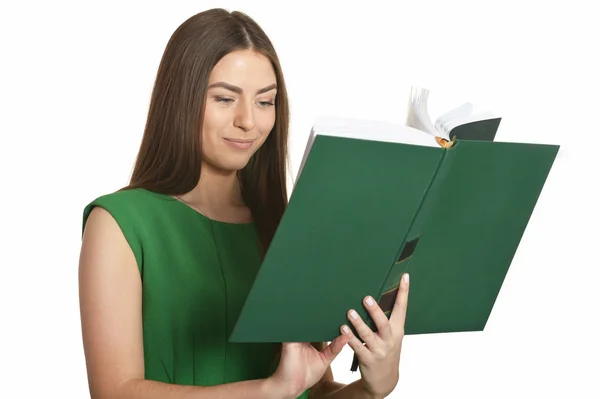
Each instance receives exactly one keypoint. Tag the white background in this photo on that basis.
(75, 83)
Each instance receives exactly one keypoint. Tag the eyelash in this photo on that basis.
(225, 100)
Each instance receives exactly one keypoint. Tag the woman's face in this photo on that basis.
(239, 109)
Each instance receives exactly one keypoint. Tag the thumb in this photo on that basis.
(333, 349)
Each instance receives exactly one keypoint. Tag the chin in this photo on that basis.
(228, 159)
(234, 167)
(232, 164)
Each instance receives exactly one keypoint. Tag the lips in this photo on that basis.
(240, 144)
(241, 141)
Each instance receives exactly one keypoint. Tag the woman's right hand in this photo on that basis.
(301, 366)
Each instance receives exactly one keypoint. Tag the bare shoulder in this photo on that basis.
(103, 240)
(99, 222)
(110, 304)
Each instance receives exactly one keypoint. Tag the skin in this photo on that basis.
(239, 106)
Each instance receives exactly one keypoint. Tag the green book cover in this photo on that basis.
(363, 211)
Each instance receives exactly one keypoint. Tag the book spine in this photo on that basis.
(430, 202)
(401, 264)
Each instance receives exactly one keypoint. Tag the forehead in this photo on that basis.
(244, 68)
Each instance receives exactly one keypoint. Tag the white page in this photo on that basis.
(461, 111)
(418, 113)
(372, 130)
(366, 130)
(451, 124)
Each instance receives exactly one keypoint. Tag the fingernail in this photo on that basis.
(353, 314)
(406, 277)
(370, 301)
(345, 329)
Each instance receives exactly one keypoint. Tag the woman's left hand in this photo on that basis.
(379, 357)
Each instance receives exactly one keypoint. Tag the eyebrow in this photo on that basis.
(239, 90)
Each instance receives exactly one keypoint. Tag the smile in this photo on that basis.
(239, 143)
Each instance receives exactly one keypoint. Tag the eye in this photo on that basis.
(265, 104)
(224, 100)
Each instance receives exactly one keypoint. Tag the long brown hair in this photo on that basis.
(169, 158)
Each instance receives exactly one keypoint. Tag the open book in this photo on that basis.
(374, 200)
(457, 123)
(452, 123)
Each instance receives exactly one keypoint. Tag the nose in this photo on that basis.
(244, 117)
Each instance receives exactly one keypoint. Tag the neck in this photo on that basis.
(215, 189)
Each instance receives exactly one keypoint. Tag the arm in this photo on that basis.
(335, 390)
(327, 388)
(110, 294)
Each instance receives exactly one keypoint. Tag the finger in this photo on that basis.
(330, 352)
(381, 321)
(363, 330)
(398, 315)
(362, 352)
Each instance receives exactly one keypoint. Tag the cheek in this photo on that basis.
(214, 121)
(265, 124)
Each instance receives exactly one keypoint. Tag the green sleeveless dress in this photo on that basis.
(196, 274)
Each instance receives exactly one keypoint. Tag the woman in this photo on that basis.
(167, 261)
